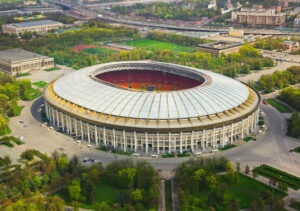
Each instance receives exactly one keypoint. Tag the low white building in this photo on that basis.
(40, 26)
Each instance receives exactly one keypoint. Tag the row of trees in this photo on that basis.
(176, 38)
(184, 10)
(278, 79)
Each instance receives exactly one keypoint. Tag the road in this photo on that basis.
(127, 3)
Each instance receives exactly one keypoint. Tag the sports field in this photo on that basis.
(147, 43)
(100, 51)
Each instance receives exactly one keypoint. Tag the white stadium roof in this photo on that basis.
(220, 94)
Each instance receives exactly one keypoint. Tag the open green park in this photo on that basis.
(245, 191)
(159, 45)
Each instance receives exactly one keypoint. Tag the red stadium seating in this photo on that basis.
(143, 79)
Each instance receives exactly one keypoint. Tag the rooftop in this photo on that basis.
(34, 23)
(17, 54)
(220, 45)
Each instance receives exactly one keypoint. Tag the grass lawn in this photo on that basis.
(249, 138)
(52, 69)
(297, 149)
(34, 93)
(40, 84)
(18, 111)
(280, 176)
(280, 107)
(104, 192)
(23, 74)
(229, 146)
(147, 43)
(168, 195)
(245, 191)
(102, 52)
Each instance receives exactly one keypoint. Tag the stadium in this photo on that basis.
(151, 107)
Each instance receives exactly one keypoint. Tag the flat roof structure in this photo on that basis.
(18, 55)
(40, 26)
(220, 47)
(34, 23)
(16, 61)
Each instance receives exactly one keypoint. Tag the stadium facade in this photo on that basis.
(152, 107)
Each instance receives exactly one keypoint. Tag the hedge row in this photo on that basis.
(273, 173)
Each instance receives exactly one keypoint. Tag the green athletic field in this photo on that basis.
(147, 43)
(100, 51)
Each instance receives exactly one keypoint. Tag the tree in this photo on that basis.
(258, 205)
(238, 166)
(103, 207)
(247, 170)
(75, 192)
(282, 186)
(233, 205)
(7, 160)
(255, 173)
(55, 203)
(137, 195)
(126, 176)
(231, 173)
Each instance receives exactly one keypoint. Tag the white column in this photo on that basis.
(104, 136)
(88, 132)
(203, 140)
(70, 125)
(242, 130)
(81, 128)
(57, 118)
(114, 138)
(223, 138)
(62, 121)
(124, 140)
(135, 141)
(180, 149)
(192, 141)
(96, 135)
(146, 140)
(214, 138)
(53, 116)
(76, 130)
(170, 146)
(252, 122)
(157, 139)
(231, 140)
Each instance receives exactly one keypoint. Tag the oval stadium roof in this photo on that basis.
(221, 94)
